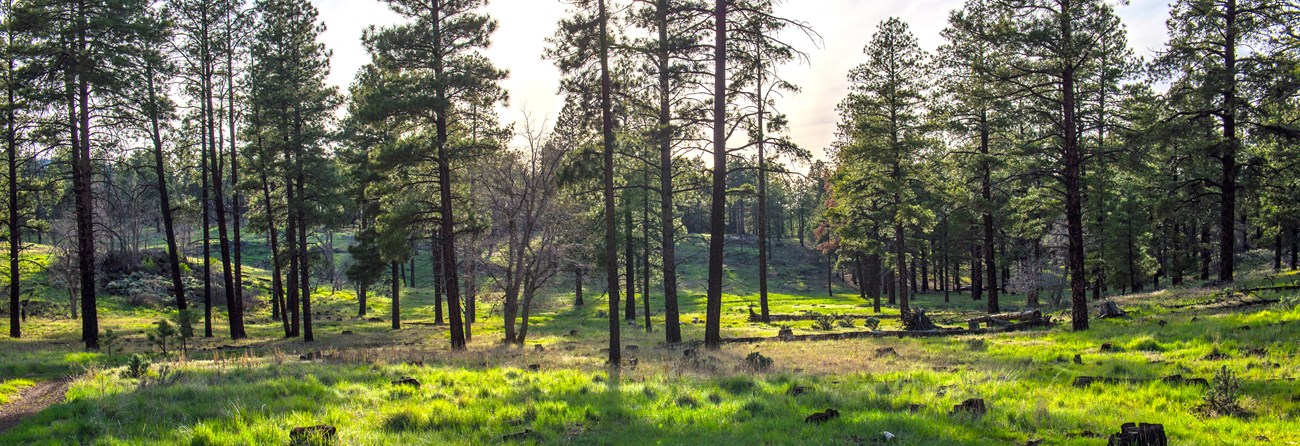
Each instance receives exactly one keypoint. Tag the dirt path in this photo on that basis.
(32, 400)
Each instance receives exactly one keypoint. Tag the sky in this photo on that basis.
(844, 26)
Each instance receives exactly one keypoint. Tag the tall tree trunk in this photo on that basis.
(277, 281)
(1205, 252)
(435, 257)
(873, 281)
(1228, 178)
(986, 195)
(629, 252)
(164, 199)
(295, 260)
(577, 285)
(645, 249)
(81, 184)
(607, 153)
(713, 306)
(1073, 188)
(13, 221)
(397, 297)
(1295, 245)
(447, 220)
(976, 274)
(236, 211)
(668, 226)
(762, 193)
(304, 256)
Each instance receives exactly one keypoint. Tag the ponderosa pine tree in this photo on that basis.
(289, 95)
(882, 136)
(424, 70)
(581, 49)
(1216, 50)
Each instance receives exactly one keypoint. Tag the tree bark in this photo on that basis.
(397, 297)
(1073, 188)
(607, 155)
(1228, 178)
(668, 251)
(713, 304)
(13, 220)
(629, 252)
(81, 184)
(447, 220)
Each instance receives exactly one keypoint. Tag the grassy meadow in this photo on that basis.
(556, 390)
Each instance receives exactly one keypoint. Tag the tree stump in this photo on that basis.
(1108, 309)
(974, 406)
(320, 434)
(1144, 434)
(785, 333)
(822, 417)
(916, 320)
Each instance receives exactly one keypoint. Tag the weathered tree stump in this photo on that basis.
(1108, 309)
(916, 320)
(796, 390)
(1144, 434)
(321, 434)
(974, 407)
(822, 417)
(785, 333)
(1078, 359)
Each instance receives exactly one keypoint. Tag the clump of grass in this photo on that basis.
(824, 322)
(845, 321)
(977, 345)
(1223, 397)
(1146, 344)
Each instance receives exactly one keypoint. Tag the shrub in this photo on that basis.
(1221, 399)
(757, 362)
(824, 322)
(162, 331)
(845, 321)
(137, 367)
(871, 323)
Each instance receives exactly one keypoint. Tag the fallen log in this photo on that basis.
(1031, 315)
(1230, 303)
(755, 317)
(893, 333)
(1085, 381)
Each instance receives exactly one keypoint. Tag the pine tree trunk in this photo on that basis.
(607, 155)
(629, 307)
(396, 298)
(13, 221)
(1228, 178)
(447, 220)
(668, 225)
(81, 185)
(435, 257)
(1073, 189)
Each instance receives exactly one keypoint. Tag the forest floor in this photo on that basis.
(556, 390)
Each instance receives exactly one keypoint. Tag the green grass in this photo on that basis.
(10, 388)
(256, 392)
